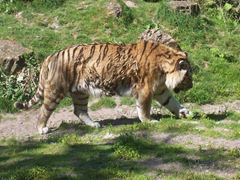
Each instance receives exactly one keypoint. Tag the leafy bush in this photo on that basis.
(18, 87)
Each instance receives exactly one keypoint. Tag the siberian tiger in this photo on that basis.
(145, 70)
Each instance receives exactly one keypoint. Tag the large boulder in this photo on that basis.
(159, 36)
(12, 56)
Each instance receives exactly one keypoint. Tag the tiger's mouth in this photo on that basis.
(176, 90)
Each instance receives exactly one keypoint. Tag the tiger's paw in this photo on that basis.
(47, 130)
(153, 121)
(96, 125)
(44, 131)
(184, 113)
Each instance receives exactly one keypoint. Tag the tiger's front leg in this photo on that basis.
(165, 98)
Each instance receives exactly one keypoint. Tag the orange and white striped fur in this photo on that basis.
(145, 70)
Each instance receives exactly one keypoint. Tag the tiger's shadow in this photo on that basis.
(126, 120)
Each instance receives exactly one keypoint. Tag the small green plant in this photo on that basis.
(106, 102)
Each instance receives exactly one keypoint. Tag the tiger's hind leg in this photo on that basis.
(51, 100)
(143, 104)
(80, 102)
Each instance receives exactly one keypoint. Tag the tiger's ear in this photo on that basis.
(186, 54)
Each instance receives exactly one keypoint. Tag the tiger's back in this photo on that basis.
(104, 69)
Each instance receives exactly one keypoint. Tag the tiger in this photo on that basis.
(145, 70)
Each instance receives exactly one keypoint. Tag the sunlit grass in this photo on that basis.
(106, 102)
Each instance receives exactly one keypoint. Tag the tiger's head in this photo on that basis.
(178, 71)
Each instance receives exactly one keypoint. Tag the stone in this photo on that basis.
(159, 36)
(114, 9)
(12, 56)
(186, 7)
(130, 4)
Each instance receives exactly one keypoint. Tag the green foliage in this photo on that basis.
(107, 102)
(18, 88)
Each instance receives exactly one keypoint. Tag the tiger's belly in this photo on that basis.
(104, 90)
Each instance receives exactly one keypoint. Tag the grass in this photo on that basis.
(137, 150)
(130, 152)
(209, 39)
(106, 102)
(127, 101)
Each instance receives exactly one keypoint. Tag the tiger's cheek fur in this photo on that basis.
(173, 79)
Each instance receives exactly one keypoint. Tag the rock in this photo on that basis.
(186, 7)
(114, 8)
(159, 36)
(130, 4)
(12, 58)
(55, 24)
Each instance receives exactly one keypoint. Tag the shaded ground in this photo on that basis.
(22, 125)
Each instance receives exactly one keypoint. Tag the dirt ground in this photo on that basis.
(23, 124)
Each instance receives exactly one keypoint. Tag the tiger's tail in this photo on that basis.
(35, 99)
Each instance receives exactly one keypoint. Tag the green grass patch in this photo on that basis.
(67, 101)
(106, 102)
(127, 101)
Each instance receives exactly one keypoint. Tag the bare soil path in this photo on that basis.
(23, 124)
